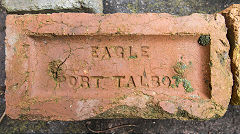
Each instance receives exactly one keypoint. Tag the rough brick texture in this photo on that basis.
(232, 15)
(72, 66)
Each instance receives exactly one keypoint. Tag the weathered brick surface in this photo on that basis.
(78, 66)
(233, 23)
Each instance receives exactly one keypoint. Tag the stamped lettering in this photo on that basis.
(124, 52)
(78, 66)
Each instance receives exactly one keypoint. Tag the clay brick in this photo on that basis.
(232, 16)
(72, 66)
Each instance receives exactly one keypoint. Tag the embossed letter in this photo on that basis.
(131, 55)
(131, 82)
(97, 80)
(85, 80)
(121, 52)
(119, 80)
(72, 81)
(106, 52)
(143, 81)
(145, 51)
(94, 51)
(155, 81)
(164, 79)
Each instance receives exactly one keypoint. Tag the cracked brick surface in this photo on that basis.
(56, 85)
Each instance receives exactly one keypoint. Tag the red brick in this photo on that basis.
(232, 16)
(118, 65)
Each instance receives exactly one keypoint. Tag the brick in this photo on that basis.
(76, 66)
(232, 17)
(18, 6)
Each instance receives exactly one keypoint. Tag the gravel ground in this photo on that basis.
(227, 124)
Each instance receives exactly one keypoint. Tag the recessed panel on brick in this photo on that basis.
(72, 66)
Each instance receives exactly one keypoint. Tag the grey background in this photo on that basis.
(230, 123)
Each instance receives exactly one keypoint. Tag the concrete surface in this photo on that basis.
(176, 7)
(227, 124)
(16, 6)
